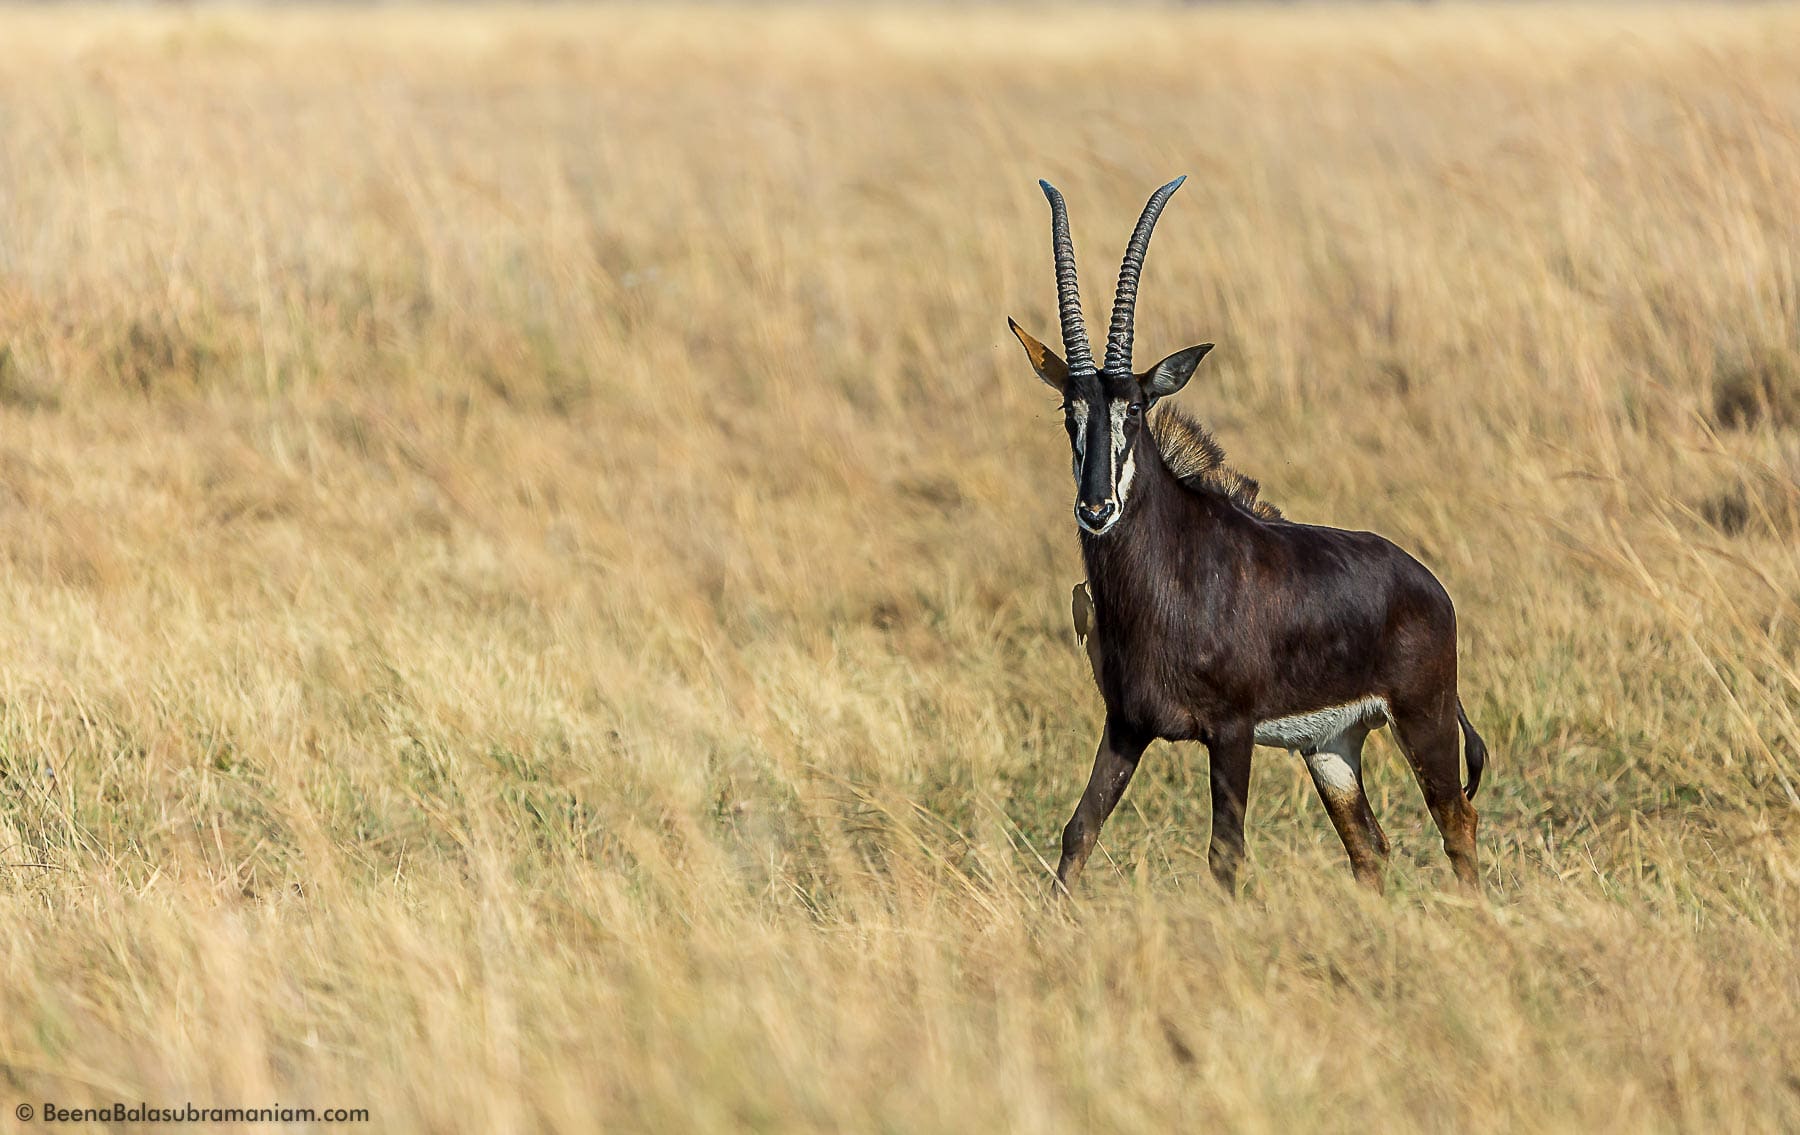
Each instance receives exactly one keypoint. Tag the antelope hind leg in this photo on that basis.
(1336, 768)
(1430, 744)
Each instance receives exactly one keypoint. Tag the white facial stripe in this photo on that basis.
(1124, 466)
(1117, 406)
(1078, 414)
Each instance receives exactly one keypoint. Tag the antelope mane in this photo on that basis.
(1198, 461)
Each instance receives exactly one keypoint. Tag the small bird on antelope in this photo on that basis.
(1209, 616)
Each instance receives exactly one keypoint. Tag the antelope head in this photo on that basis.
(1104, 407)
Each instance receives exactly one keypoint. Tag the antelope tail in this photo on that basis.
(1474, 751)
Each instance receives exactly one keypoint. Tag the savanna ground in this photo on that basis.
(534, 580)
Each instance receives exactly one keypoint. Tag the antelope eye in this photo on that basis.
(1134, 409)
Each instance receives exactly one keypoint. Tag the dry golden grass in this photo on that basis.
(534, 578)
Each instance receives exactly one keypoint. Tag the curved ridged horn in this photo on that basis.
(1118, 339)
(1068, 297)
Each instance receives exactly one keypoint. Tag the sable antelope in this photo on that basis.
(1215, 619)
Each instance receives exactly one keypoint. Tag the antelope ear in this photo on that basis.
(1047, 363)
(1170, 375)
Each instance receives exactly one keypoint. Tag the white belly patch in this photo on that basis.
(1307, 732)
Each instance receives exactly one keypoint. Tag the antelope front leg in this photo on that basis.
(1116, 760)
(1228, 753)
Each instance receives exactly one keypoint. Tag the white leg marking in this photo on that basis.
(1337, 764)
